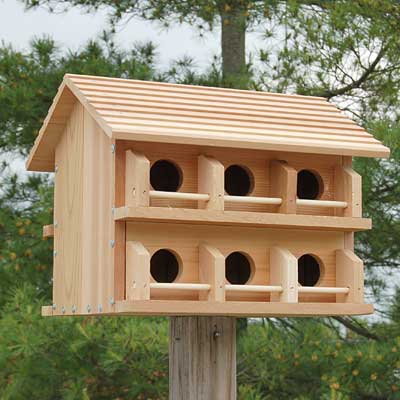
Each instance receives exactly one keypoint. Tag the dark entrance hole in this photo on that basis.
(309, 185)
(164, 266)
(238, 181)
(165, 176)
(237, 268)
(309, 270)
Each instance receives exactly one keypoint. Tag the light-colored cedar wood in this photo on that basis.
(47, 311)
(348, 189)
(322, 203)
(256, 162)
(232, 308)
(118, 193)
(212, 271)
(137, 272)
(323, 290)
(235, 218)
(210, 180)
(157, 194)
(68, 212)
(48, 231)
(137, 179)
(97, 224)
(283, 180)
(241, 308)
(42, 155)
(283, 272)
(202, 358)
(184, 117)
(349, 273)
(253, 288)
(200, 287)
(184, 241)
(253, 200)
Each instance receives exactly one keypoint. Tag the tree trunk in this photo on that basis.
(233, 37)
(202, 358)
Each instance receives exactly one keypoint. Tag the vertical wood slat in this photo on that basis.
(283, 180)
(283, 272)
(349, 273)
(211, 181)
(212, 271)
(137, 272)
(137, 179)
(348, 187)
(202, 358)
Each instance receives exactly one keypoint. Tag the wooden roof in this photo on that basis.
(207, 116)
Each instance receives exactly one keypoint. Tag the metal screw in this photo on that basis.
(112, 301)
(63, 309)
(55, 253)
(73, 309)
(53, 306)
(55, 224)
(88, 308)
(113, 148)
(56, 168)
(100, 308)
(112, 243)
(112, 210)
(217, 334)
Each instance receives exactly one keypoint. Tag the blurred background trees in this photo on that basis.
(346, 51)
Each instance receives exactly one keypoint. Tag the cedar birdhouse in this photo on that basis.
(187, 200)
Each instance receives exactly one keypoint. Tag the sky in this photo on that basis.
(74, 28)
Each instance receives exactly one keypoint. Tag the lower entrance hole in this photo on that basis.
(164, 266)
(309, 270)
(237, 268)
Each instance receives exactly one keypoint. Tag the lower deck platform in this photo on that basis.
(228, 308)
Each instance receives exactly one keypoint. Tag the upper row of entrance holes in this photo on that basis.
(165, 266)
(167, 176)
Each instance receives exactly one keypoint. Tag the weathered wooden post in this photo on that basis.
(202, 204)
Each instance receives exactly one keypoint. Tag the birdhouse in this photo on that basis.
(188, 200)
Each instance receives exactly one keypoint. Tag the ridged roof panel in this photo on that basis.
(163, 112)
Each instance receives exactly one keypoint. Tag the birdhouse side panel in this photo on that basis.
(68, 213)
(83, 221)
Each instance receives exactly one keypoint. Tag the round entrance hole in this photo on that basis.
(237, 268)
(309, 270)
(164, 266)
(309, 185)
(239, 181)
(165, 176)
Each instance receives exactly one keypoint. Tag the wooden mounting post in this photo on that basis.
(202, 358)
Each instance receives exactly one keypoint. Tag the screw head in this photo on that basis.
(112, 243)
(113, 148)
(63, 309)
(112, 301)
(88, 308)
(55, 253)
(100, 308)
(56, 168)
(53, 306)
(55, 224)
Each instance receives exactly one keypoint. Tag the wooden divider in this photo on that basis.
(348, 189)
(137, 179)
(283, 180)
(211, 181)
(349, 273)
(212, 271)
(283, 272)
(137, 272)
